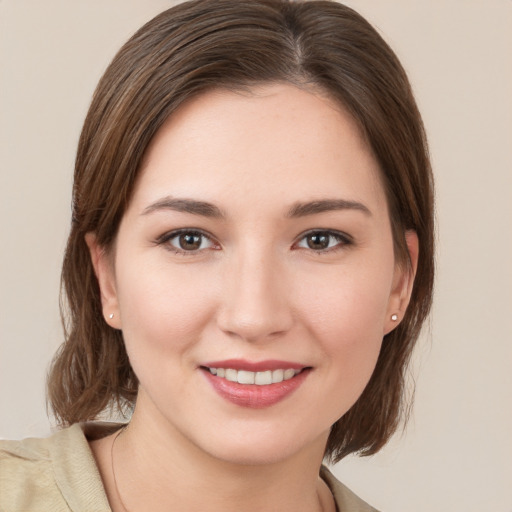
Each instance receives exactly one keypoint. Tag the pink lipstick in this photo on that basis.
(254, 384)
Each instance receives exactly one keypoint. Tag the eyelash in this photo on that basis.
(166, 239)
(342, 240)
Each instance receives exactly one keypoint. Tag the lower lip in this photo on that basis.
(252, 395)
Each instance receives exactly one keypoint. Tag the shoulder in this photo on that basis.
(26, 476)
(346, 500)
(57, 473)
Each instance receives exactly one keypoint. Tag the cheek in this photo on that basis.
(351, 303)
(346, 318)
(163, 308)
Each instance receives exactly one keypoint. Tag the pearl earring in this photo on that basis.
(111, 316)
(394, 317)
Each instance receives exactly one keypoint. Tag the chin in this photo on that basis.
(248, 456)
(267, 448)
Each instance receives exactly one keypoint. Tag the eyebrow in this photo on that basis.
(206, 209)
(185, 205)
(325, 205)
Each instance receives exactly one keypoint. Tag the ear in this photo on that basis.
(403, 282)
(104, 270)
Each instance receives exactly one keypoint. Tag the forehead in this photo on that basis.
(273, 138)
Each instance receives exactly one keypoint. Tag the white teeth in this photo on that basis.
(288, 374)
(259, 378)
(263, 378)
(231, 375)
(277, 375)
(245, 377)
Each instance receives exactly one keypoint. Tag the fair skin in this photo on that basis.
(258, 232)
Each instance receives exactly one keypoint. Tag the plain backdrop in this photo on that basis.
(456, 454)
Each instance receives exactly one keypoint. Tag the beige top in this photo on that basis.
(59, 474)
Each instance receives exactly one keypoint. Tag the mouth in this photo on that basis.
(261, 378)
(255, 385)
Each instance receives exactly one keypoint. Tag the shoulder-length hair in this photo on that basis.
(181, 53)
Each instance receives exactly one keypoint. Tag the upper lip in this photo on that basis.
(251, 366)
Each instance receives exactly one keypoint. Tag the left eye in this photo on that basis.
(189, 241)
(322, 240)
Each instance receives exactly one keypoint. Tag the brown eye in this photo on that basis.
(323, 241)
(190, 241)
(184, 241)
(318, 241)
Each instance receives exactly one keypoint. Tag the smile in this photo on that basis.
(255, 385)
(262, 378)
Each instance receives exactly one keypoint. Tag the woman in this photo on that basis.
(248, 269)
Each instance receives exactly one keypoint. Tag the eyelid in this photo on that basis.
(165, 238)
(344, 239)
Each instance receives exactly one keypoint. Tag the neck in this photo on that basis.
(157, 468)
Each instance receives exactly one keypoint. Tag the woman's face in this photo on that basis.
(257, 246)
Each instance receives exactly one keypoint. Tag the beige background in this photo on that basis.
(456, 454)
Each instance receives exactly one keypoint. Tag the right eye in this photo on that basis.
(187, 241)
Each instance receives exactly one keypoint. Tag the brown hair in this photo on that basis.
(206, 44)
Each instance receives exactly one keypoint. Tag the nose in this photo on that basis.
(255, 302)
